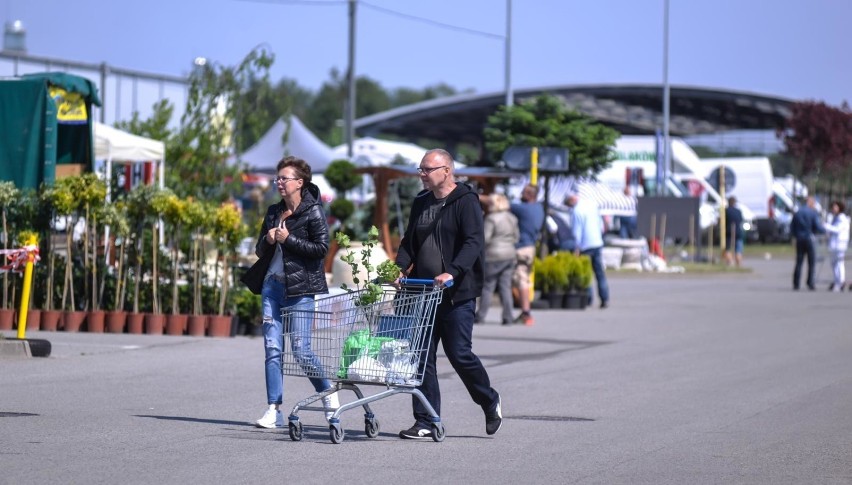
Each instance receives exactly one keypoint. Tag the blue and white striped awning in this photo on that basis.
(609, 201)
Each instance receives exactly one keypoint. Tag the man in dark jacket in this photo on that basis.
(804, 226)
(444, 241)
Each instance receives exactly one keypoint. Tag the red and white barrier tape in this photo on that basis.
(16, 259)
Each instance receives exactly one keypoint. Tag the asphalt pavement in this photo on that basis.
(686, 378)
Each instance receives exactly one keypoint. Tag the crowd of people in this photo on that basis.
(470, 246)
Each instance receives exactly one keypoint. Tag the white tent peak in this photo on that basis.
(263, 156)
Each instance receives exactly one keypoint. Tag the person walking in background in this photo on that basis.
(530, 215)
(501, 235)
(588, 235)
(736, 233)
(628, 224)
(804, 226)
(445, 237)
(838, 242)
(559, 229)
(297, 231)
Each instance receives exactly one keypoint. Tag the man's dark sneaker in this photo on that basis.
(494, 418)
(416, 432)
(604, 304)
(524, 318)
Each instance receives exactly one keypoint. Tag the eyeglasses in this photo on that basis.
(283, 180)
(428, 170)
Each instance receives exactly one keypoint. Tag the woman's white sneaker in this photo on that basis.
(272, 418)
(330, 403)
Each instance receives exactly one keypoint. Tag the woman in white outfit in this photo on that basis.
(838, 240)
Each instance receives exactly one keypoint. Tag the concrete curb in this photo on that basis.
(14, 349)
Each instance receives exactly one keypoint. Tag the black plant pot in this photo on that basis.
(575, 301)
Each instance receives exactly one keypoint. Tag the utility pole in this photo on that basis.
(510, 98)
(350, 79)
(667, 153)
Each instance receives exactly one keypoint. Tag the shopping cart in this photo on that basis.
(352, 344)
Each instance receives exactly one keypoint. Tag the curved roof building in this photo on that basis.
(629, 108)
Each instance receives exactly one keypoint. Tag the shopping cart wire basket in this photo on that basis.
(384, 343)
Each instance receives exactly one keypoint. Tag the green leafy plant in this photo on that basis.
(369, 291)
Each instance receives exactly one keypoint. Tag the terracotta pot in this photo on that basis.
(33, 320)
(219, 326)
(175, 324)
(115, 321)
(135, 323)
(73, 320)
(95, 321)
(50, 320)
(154, 323)
(197, 325)
(7, 318)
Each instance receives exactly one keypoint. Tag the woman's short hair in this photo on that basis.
(840, 206)
(499, 203)
(301, 167)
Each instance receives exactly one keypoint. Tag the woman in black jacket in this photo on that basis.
(297, 231)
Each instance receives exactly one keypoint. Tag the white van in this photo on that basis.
(750, 180)
(687, 178)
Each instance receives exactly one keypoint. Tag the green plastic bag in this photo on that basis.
(358, 344)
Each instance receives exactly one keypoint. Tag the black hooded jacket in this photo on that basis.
(305, 248)
(460, 237)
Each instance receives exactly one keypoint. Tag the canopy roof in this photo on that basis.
(120, 146)
(369, 151)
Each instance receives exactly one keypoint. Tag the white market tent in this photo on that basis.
(263, 156)
(114, 145)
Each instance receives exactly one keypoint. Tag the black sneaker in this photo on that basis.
(416, 432)
(494, 419)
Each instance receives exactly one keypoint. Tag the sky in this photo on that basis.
(798, 49)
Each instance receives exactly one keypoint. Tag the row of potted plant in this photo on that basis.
(564, 279)
(126, 274)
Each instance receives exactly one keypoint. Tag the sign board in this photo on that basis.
(550, 159)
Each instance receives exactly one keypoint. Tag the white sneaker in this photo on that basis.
(330, 403)
(272, 418)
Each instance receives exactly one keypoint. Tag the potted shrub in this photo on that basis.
(176, 217)
(91, 196)
(249, 308)
(199, 217)
(552, 271)
(228, 231)
(579, 281)
(115, 218)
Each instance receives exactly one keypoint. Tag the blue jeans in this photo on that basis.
(274, 300)
(454, 328)
(600, 276)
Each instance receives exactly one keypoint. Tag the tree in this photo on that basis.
(545, 121)
(202, 151)
(819, 138)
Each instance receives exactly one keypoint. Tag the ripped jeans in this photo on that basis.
(274, 300)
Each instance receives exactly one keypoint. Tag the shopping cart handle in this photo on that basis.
(423, 281)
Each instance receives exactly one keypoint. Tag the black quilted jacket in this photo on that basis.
(306, 247)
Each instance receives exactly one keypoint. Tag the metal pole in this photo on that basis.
(350, 104)
(509, 95)
(667, 153)
(103, 108)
